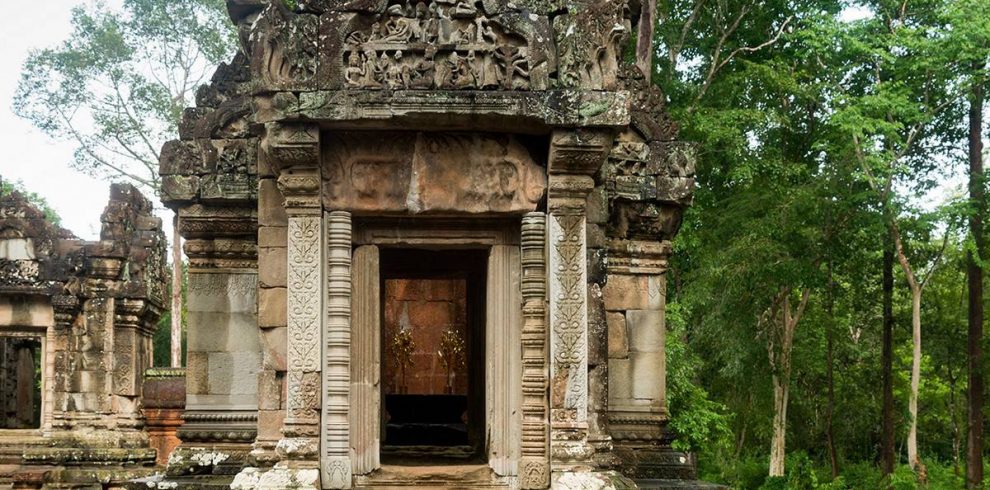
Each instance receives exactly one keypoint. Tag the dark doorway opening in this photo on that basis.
(20, 383)
(433, 334)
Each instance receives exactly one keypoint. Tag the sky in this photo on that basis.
(29, 155)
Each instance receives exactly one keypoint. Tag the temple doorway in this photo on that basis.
(20, 382)
(433, 354)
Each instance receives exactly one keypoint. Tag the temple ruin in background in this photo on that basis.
(76, 322)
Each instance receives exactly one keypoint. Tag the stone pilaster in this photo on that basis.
(534, 464)
(222, 358)
(635, 300)
(306, 275)
(503, 342)
(574, 157)
(336, 461)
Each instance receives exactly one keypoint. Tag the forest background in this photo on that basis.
(825, 310)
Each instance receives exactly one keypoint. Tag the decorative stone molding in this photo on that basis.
(534, 464)
(579, 151)
(304, 358)
(335, 461)
(292, 144)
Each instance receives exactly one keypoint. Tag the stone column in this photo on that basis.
(635, 299)
(223, 350)
(534, 465)
(336, 455)
(574, 157)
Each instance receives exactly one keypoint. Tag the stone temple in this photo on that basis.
(427, 245)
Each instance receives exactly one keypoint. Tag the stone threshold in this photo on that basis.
(466, 476)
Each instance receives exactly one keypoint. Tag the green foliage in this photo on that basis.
(816, 134)
(162, 340)
(7, 187)
(117, 86)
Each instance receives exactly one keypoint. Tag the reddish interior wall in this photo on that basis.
(426, 308)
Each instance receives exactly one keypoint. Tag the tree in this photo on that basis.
(969, 43)
(117, 87)
(893, 113)
(8, 187)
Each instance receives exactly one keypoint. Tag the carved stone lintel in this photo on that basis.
(335, 455)
(301, 189)
(221, 253)
(534, 465)
(208, 222)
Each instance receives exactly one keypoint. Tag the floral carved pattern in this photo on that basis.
(568, 315)
(303, 297)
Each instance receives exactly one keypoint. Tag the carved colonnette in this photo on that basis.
(335, 435)
(534, 464)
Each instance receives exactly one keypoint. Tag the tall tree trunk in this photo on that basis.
(644, 43)
(778, 450)
(780, 362)
(916, 288)
(829, 374)
(176, 314)
(887, 453)
(974, 276)
(912, 442)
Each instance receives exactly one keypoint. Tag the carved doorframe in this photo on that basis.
(503, 329)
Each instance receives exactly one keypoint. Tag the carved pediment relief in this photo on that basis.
(401, 44)
(430, 173)
(440, 44)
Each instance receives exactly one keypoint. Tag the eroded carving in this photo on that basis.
(448, 44)
(590, 42)
(431, 173)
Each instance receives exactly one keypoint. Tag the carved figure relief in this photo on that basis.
(590, 44)
(448, 44)
(290, 55)
(425, 172)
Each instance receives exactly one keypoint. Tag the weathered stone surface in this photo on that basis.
(272, 263)
(271, 209)
(273, 348)
(634, 292)
(423, 173)
(272, 307)
(618, 336)
(646, 330)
